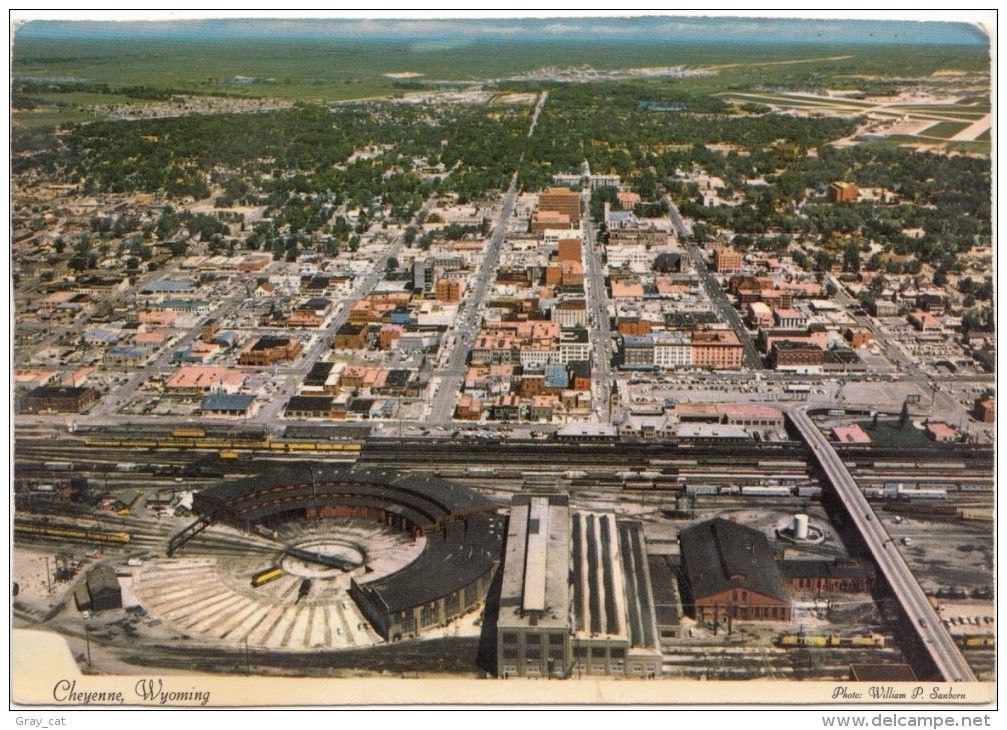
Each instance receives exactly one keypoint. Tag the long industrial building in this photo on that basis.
(576, 597)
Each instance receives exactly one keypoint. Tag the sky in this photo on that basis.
(557, 28)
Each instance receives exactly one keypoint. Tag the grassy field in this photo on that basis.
(888, 433)
(944, 130)
(333, 70)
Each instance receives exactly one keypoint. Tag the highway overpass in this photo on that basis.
(946, 657)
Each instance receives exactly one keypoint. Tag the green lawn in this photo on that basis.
(944, 130)
(888, 433)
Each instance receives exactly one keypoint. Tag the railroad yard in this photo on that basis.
(232, 597)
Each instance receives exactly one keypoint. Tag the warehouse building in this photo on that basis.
(576, 597)
(729, 573)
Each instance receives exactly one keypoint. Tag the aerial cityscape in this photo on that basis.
(599, 349)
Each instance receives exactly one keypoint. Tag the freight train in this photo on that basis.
(69, 532)
(830, 641)
(223, 445)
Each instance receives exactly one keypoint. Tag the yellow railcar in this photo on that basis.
(265, 576)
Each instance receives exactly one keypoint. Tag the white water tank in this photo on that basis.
(801, 527)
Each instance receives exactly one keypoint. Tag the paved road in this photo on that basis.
(597, 303)
(925, 621)
(448, 381)
(271, 413)
(718, 298)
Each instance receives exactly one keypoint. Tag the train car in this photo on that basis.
(766, 491)
(922, 492)
(774, 464)
(103, 443)
(975, 487)
(986, 641)
(977, 516)
(830, 641)
(70, 532)
(265, 576)
(228, 454)
(942, 465)
(700, 489)
(730, 489)
(922, 508)
(191, 433)
(809, 491)
(817, 641)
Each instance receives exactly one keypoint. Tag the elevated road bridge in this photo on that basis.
(943, 652)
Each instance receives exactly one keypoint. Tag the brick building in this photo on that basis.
(350, 337)
(58, 399)
(842, 192)
(569, 249)
(561, 200)
(796, 356)
(729, 574)
(727, 260)
(719, 349)
(449, 289)
(265, 351)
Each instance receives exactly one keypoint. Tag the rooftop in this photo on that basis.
(720, 555)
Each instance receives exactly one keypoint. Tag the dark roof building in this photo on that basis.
(57, 399)
(227, 404)
(827, 576)
(667, 602)
(462, 534)
(103, 588)
(729, 573)
(318, 374)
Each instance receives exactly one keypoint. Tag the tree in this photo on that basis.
(851, 258)
(823, 261)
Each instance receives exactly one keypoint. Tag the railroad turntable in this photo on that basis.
(357, 558)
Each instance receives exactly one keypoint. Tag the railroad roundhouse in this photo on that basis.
(449, 578)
